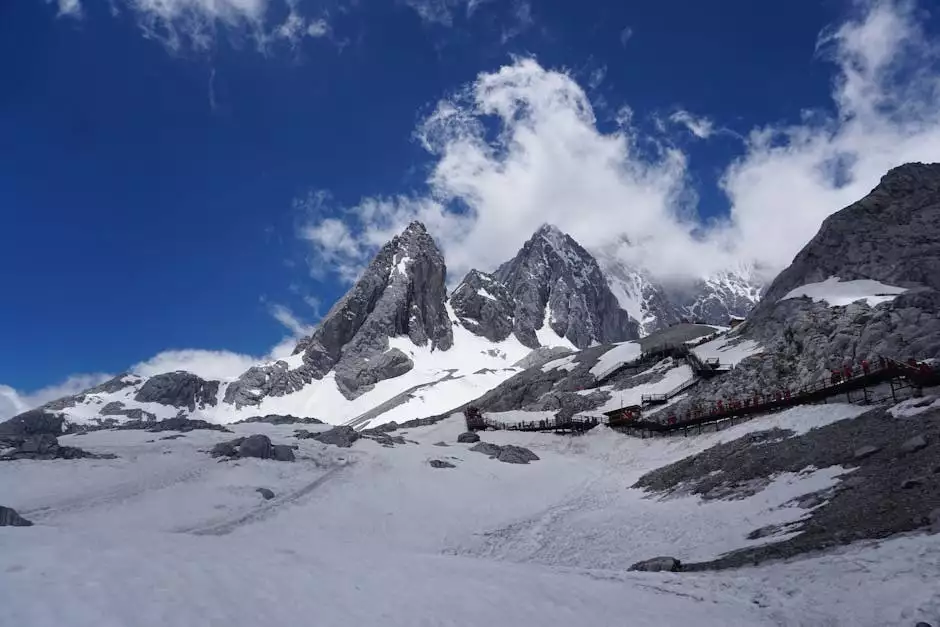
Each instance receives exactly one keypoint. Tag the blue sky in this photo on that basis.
(195, 176)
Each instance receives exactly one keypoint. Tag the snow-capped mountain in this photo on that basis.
(655, 304)
(552, 288)
(396, 347)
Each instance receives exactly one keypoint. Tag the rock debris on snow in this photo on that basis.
(266, 493)
(658, 564)
(341, 436)
(468, 437)
(440, 463)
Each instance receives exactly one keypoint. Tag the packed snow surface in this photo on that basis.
(166, 535)
(616, 357)
(729, 350)
(839, 293)
(672, 379)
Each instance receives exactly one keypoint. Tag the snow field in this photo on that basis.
(837, 292)
(165, 535)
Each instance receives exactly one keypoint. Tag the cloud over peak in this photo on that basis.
(521, 146)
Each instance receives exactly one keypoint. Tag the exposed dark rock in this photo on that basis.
(444, 444)
(383, 438)
(487, 448)
(913, 445)
(439, 463)
(484, 306)
(865, 451)
(277, 419)
(468, 437)
(658, 564)
(283, 453)
(554, 273)
(516, 455)
(341, 436)
(9, 518)
(33, 422)
(257, 445)
(265, 493)
(184, 425)
(226, 449)
(868, 504)
(179, 389)
(176, 436)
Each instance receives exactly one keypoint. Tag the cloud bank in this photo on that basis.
(521, 146)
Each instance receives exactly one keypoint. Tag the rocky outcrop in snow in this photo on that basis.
(484, 306)
(554, 281)
(179, 389)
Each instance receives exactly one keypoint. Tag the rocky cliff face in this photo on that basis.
(553, 281)
(402, 292)
(891, 236)
(484, 306)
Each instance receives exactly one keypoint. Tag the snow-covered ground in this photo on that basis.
(673, 377)
(729, 350)
(616, 357)
(165, 535)
(839, 293)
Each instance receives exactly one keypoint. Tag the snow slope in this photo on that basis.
(673, 377)
(165, 535)
(729, 350)
(839, 293)
(616, 357)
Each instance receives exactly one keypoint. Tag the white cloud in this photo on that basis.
(549, 162)
(13, 402)
(701, 127)
(444, 12)
(207, 364)
(293, 324)
(69, 8)
(625, 35)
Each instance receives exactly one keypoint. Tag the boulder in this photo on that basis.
(486, 448)
(440, 463)
(913, 482)
(9, 518)
(226, 449)
(913, 444)
(865, 451)
(516, 455)
(658, 564)
(341, 436)
(266, 493)
(933, 519)
(283, 453)
(42, 444)
(33, 422)
(468, 437)
(257, 445)
(441, 444)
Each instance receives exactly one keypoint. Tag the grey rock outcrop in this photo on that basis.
(484, 306)
(658, 564)
(341, 436)
(179, 389)
(257, 445)
(33, 422)
(10, 518)
(890, 236)
(265, 493)
(226, 449)
(279, 419)
(913, 444)
(510, 454)
(468, 437)
(401, 293)
(283, 453)
(486, 448)
(554, 274)
(440, 463)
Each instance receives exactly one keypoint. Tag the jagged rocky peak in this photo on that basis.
(553, 280)
(892, 235)
(484, 306)
(401, 293)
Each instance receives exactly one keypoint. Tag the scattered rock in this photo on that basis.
(42, 444)
(256, 445)
(9, 518)
(468, 437)
(179, 389)
(865, 451)
(516, 455)
(913, 444)
(922, 624)
(302, 434)
(440, 463)
(341, 436)
(486, 448)
(658, 564)
(441, 444)
(266, 493)
(279, 419)
(175, 436)
(226, 449)
(383, 438)
(913, 482)
(283, 453)
(33, 422)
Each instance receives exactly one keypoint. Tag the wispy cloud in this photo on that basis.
(13, 402)
(699, 126)
(625, 35)
(549, 161)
